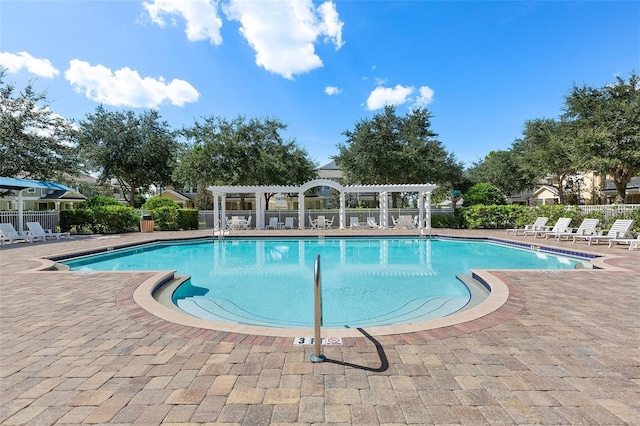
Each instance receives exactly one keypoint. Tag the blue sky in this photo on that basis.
(481, 67)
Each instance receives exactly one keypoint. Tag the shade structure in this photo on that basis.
(16, 184)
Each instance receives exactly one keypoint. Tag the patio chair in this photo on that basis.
(313, 223)
(321, 222)
(329, 223)
(587, 227)
(633, 242)
(273, 223)
(288, 222)
(561, 226)
(537, 225)
(10, 234)
(621, 228)
(246, 224)
(235, 223)
(354, 222)
(371, 222)
(36, 230)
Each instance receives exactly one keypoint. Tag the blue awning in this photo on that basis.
(20, 184)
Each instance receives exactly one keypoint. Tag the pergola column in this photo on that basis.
(343, 210)
(384, 210)
(300, 210)
(428, 218)
(223, 210)
(260, 204)
(420, 210)
(217, 219)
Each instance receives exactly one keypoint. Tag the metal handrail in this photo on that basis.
(317, 285)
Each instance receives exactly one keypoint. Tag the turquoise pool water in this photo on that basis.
(365, 282)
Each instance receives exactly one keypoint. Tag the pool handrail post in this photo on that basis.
(317, 355)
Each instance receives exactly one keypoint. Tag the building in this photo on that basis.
(41, 199)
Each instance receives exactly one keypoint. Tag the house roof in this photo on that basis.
(20, 184)
(64, 195)
(552, 189)
(330, 171)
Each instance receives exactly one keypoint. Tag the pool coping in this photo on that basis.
(498, 297)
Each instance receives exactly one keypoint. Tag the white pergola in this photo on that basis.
(424, 199)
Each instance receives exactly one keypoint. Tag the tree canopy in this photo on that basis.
(391, 149)
(547, 149)
(34, 142)
(483, 193)
(606, 127)
(242, 152)
(137, 149)
(504, 169)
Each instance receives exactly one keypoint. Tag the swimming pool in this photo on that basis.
(366, 282)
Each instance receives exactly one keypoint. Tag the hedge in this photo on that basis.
(517, 216)
(101, 219)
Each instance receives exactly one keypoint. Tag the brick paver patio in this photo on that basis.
(75, 349)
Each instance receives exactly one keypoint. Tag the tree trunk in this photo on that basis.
(621, 177)
(133, 189)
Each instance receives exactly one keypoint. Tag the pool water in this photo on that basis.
(365, 282)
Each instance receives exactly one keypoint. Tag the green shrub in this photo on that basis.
(157, 202)
(100, 219)
(188, 219)
(114, 219)
(446, 221)
(99, 200)
(491, 217)
(485, 194)
(164, 212)
(78, 221)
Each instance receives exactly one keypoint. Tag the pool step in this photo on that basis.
(218, 309)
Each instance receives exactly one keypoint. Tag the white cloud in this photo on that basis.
(203, 21)
(332, 90)
(425, 97)
(125, 87)
(15, 62)
(381, 96)
(283, 32)
(398, 95)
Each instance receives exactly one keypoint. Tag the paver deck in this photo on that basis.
(75, 349)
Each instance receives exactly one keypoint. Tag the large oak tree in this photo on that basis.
(606, 123)
(242, 151)
(34, 142)
(389, 149)
(138, 150)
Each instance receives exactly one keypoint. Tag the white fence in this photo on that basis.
(48, 219)
(611, 211)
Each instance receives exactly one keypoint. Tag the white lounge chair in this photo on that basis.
(587, 227)
(633, 242)
(561, 226)
(621, 228)
(537, 225)
(371, 222)
(37, 231)
(288, 222)
(10, 234)
(354, 222)
(273, 223)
